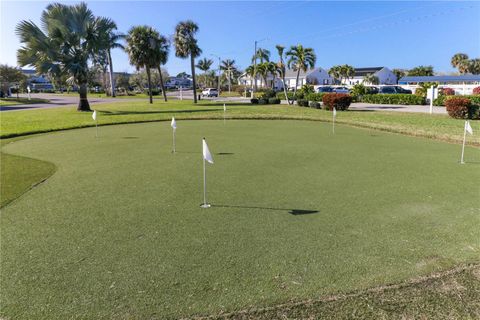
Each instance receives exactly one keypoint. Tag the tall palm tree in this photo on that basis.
(335, 73)
(300, 59)
(475, 66)
(262, 54)
(142, 50)
(460, 61)
(162, 48)
(65, 44)
(228, 66)
(204, 65)
(282, 69)
(111, 41)
(186, 46)
(347, 71)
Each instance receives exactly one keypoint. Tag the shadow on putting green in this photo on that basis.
(295, 212)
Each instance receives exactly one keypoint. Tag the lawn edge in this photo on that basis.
(344, 296)
(348, 123)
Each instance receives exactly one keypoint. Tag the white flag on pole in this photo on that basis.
(334, 112)
(206, 153)
(468, 127)
(173, 124)
(94, 115)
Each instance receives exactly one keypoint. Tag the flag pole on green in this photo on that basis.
(334, 117)
(94, 117)
(224, 112)
(173, 124)
(466, 128)
(207, 157)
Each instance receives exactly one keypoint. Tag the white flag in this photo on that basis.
(224, 107)
(334, 112)
(94, 115)
(174, 123)
(468, 127)
(206, 153)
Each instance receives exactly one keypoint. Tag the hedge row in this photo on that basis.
(403, 99)
(462, 108)
(265, 101)
(441, 100)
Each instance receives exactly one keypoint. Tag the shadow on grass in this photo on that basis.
(295, 212)
(122, 113)
(199, 152)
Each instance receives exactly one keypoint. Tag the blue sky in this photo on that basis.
(360, 33)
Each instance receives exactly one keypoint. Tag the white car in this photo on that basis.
(210, 92)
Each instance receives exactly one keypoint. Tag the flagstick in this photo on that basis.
(173, 151)
(224, 112)
(205, 204)
(96, 128)
(464, 138)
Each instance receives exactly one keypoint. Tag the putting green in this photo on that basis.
(298, 213)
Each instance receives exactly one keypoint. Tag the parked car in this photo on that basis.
(210, 92)
(393, 90)
(341, 90)
(324, 89)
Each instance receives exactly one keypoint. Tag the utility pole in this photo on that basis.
(254, 70)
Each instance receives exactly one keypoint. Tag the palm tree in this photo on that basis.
(399, 73)
(371, 79)
(335, 73)
(421, 71)
(65, 44)
(475, 66)
(228, 66)
(282, 69)
(112, 42)
(204, 65)
(262, 70)
(262, 54)
(142, 50)
(300, 59)
(347, 71)
(186, 46)
(460, 61)
(162, 47)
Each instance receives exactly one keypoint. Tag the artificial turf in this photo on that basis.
(297, 213)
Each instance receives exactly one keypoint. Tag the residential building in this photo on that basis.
(462, 84)
(385, 76)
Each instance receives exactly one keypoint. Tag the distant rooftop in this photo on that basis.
(462, 78)
(362, 72)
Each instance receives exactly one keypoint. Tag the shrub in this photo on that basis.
(314, 104)
(447, 91)
(254, 101)
(315, 96)
(306, 89)
(404, 99)
(155, 92)
(476, 90)
(281, 95)
(458, 107)
(240, 89)
(262, 101)
(302, 102)
(339, 101)
(273, 101)
(268, 93)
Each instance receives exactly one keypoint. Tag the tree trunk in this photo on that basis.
(112, 82)
(192, 65)
(161, 83)
(83, 104)
(296, 82)
(285, 89)
(149, 84)
(229, 81)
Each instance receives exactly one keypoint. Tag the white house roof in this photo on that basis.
(290, 73)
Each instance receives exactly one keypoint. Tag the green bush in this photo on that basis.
(268, 93)
(306, 89)
(254, 101)
(273, 101)
(404, 99)
(440, 101)
(339, 101)
(302, 102)
(281, 95)
(314, 104)
(315, 96)
(262, 101)
(155, 92)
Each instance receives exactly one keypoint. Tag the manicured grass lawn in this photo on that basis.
(33, 121)
(15, 101)
(117, 231)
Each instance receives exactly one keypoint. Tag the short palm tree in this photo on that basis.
(65, 44)
(186, 46)
(335, 73)
(300, 59)
(142, 50)
(204, 65)
(347, 71)
(371, 79)
(228, 66)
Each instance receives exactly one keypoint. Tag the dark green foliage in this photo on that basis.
(273, 101)
(254, 101)
(281, 95)
(403, 99)
(268, 93)
(302, 102)
(339, 101)
(314, 104)
(262, 101)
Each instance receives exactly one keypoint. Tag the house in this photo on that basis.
(462, 84)
(177, 82)
(37, 82)
(316, 76)
(384, 75)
